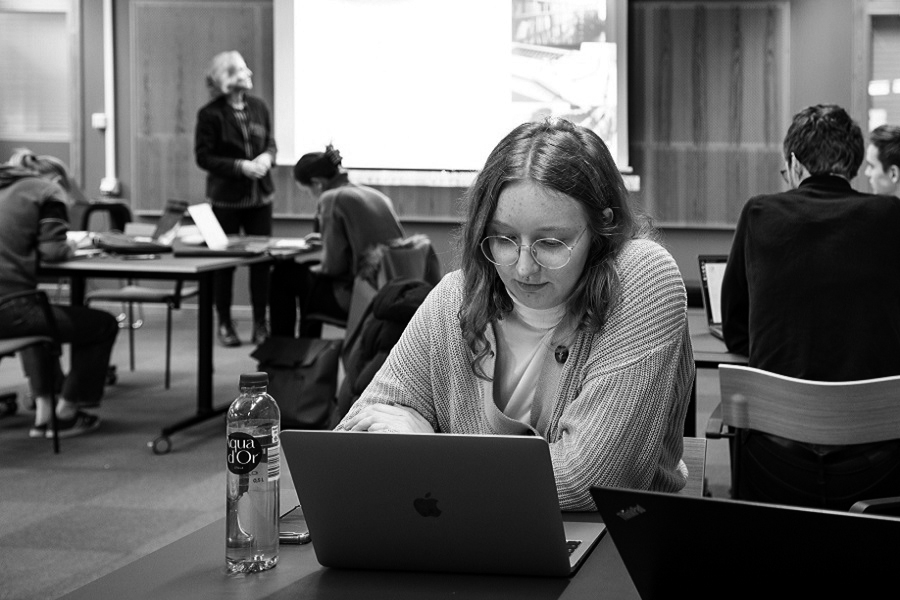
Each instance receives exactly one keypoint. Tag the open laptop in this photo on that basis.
(712, 271)
(450, 503)
(144, 238)
(734, 549)
(217, 242)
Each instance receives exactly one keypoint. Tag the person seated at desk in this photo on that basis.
(351, 219)
(812, 291)
(33, 199)
(567, 321)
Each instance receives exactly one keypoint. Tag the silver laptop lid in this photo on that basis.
(452, 503)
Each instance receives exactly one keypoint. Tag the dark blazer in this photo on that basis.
(219, 144)
(812, 287)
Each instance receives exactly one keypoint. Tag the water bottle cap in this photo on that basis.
(254, 379)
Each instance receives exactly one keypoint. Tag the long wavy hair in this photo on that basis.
(574, 161)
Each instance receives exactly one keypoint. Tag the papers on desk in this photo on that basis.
(292, 243)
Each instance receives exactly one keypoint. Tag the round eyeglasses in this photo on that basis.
(549, 253)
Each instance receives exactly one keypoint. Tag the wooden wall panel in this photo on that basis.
(172, 45)
(708, 107)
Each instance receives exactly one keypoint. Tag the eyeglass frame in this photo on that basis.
(531, 250)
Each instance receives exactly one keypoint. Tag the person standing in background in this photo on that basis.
(883, 160)
(233, 143)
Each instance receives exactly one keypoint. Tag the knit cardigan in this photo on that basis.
(616, 415)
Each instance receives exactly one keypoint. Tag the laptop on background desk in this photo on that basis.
(217, 242)
(735, 549)
(712, 272)
(447, 503)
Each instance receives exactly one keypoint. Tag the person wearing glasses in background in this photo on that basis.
(812, 291)
(567, 321)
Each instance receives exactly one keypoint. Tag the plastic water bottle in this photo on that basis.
(253, 474)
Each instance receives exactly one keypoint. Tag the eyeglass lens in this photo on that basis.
(548, 252)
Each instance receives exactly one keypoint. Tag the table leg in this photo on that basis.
(76, 291)
(690, 419)
(205, 344)
(205, 409)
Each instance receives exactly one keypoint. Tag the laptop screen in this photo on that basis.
(170, 221)
(712, 271)
(209, 226)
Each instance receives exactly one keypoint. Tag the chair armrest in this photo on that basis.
(715, 428)
(878, 506)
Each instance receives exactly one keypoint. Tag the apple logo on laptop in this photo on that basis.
(427, 506)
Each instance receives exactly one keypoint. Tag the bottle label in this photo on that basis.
(245, 452)
(272, 448)
(257, 457)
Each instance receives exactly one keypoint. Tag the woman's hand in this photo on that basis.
(264, 160)
(253, 169)
(388, 417)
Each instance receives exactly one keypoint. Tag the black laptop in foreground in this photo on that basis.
(695, 547)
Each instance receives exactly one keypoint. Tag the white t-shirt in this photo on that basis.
(523, 340)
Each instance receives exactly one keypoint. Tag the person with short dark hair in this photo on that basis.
(812, 291)
(233, 143)
(567, 321)
(883, 160)
(350, 220)
(34, 193)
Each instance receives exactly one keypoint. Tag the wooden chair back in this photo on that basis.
(815, 412)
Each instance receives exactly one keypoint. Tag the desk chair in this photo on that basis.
(11, 346)
(811, 412)
(119, 216)
(403, 258)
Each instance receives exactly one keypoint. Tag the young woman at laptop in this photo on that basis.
(566, 321)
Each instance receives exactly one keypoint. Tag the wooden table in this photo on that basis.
(171, 268)
(194, 568)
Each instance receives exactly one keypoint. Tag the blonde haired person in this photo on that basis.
(233, 143)
(34, 193)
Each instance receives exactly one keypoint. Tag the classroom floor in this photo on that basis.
(107, 500)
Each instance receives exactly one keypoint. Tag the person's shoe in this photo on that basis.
(260, 332)
(81, 423)
(227, 336)
(39, 431)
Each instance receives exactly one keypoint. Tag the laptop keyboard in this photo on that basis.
(572, 545)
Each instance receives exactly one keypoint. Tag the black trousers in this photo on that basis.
(295, 287)
(250, 221)
(91, 333)
(773, 469)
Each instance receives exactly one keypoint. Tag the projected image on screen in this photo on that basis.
(561, 65)
(422, 84)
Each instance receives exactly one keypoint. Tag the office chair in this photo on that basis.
(131, 294)
(11, 346)
(833, 417)
(404, 258)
